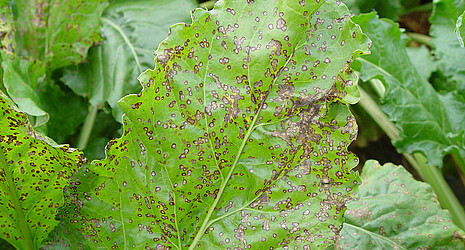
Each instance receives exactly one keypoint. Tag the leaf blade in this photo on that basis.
(428, 121)
(33, 175)
(224, 127)
(131, 31)
(394, 210)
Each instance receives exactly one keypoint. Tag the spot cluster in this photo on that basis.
(238, 139)
(33, 178)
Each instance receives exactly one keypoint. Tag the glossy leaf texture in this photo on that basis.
(238, 139)
(33, 173)
(446, 47)
(131, 33)
(460, 29)
(429, 122)
(394, 211)
(58, 33)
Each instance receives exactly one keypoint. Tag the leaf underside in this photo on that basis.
(394, 211)
(239, 137)
(33, 174)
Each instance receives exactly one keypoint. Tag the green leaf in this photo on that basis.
(21, 78)
(238, 139)
(422, 60)
(8, 43)
(394, 211)
(59, 33)
(447, 49)
(33, 173)
(429, 122)
(460, 29)
(386, 8)
(67, 111)
(131, 32)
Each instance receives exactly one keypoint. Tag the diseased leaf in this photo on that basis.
(58, 33)
(131, 32)
(33, 174)
(460, 29)
(28, 84)
(428, 121)
(7, 28)
(393, 211)
(447, 48)
(238, 139)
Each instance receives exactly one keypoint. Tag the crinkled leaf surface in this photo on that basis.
(393, 211)
(131, 32)
(460, 29)
(239, 137)
(428, 121)
(447, 49)
(58, 33)
(33, 174)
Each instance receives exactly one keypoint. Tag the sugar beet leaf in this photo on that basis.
(239, 137)
(33, 173)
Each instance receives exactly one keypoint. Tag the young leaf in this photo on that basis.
(58, 33)
(429, 122)
(131, 32)
(238, 139)
(460, 29)
(394, 211)
(33, 174)
(447, 48)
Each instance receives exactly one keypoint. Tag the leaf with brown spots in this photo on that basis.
(394, 211)
(131, 31)
(238, 139)
(33, 173)
(58, 33)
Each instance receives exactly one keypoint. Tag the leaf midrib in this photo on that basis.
(374, 235)
(25, 230)
(206, 222)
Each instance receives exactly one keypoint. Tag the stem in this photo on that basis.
(87, 127)
(420, 38)
(24, 227)
(428, 173)
(208, 4)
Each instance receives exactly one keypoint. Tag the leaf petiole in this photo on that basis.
(87, 127)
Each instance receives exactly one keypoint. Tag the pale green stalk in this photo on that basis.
(87, 127)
